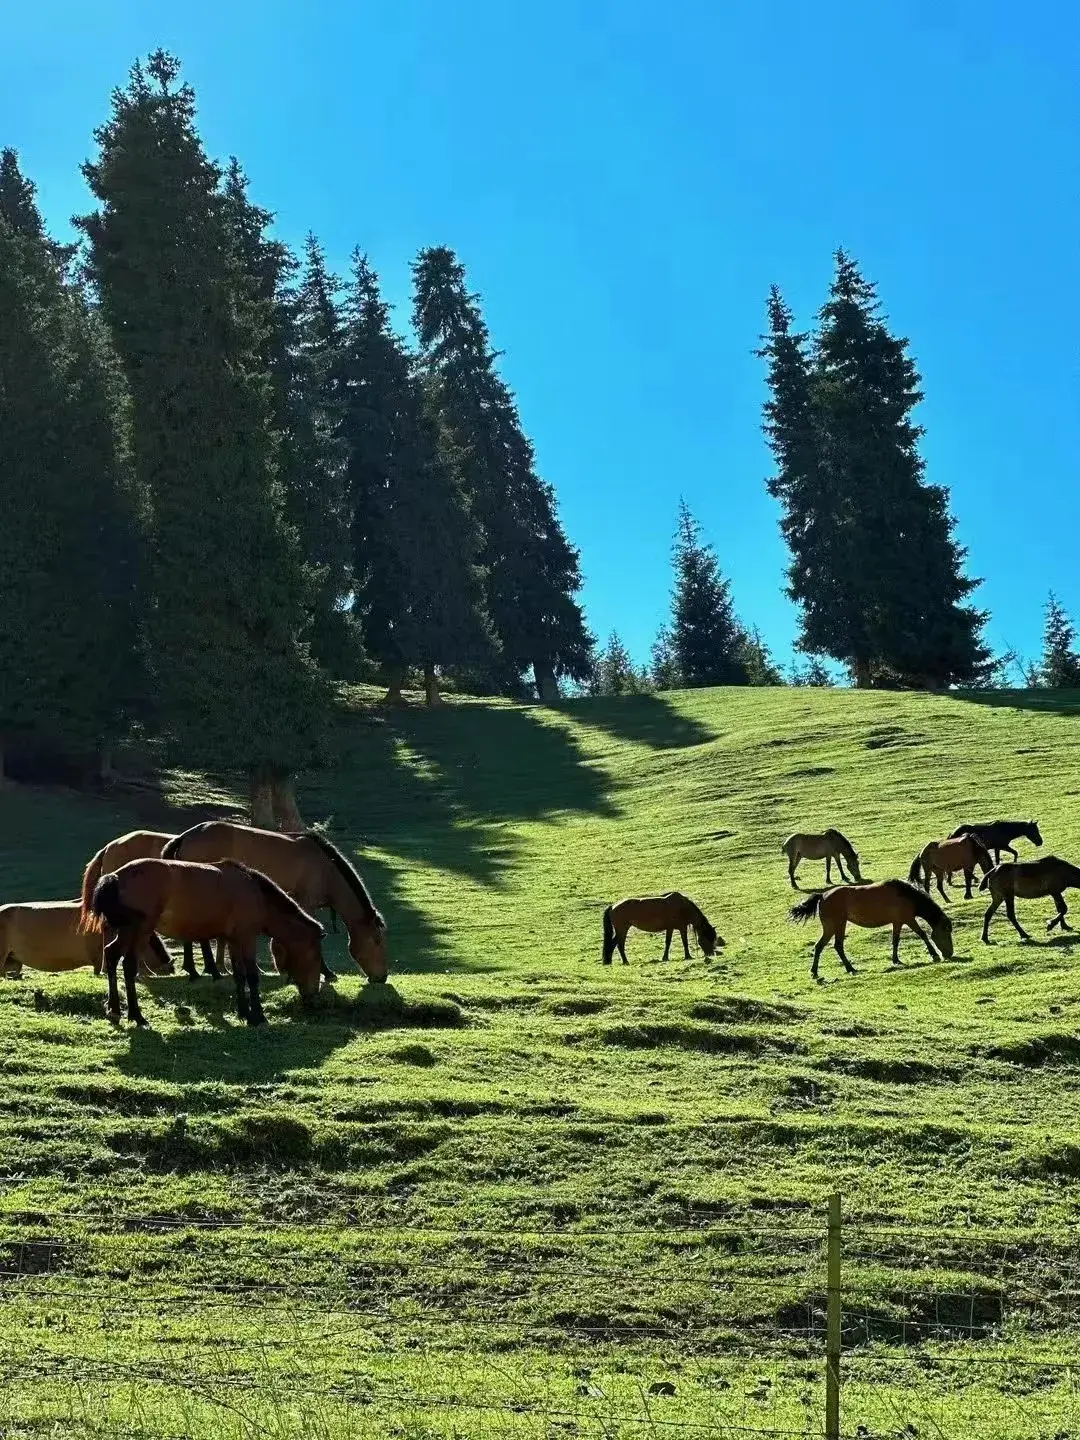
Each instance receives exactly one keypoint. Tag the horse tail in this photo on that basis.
(609, 936)
(806, 909)
(104, 908)
(913, 873)
(91, 876)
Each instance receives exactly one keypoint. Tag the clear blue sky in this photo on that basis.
(624, 180)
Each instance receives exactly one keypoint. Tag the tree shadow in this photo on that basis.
(642, 719)
(1049, 702)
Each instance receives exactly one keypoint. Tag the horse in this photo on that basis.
(314, 872)
(830, 845)
(886, 902)
(996, 835)
(1030, 880)
(200, 902)
(142, 845)
(942, 858)
(45, 935)
(654, 913)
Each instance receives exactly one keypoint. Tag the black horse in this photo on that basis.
(998, 835)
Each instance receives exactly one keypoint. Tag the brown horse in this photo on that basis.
(654, 914)
(200, 902)
(998, 835)
(943, 858)
(314, 872)
(830, 845)
(1030, 880)
(46, 935)
(141, 845)
(888, 902)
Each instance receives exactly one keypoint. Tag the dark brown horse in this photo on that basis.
(942, 858)
(655, 914)
(1030, 880)
(199, 902)
(886, 902)
(997, 835)
(314, 872)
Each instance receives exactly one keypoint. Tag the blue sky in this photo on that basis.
(624, 180)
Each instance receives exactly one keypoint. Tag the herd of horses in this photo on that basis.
(218, 881)
(872, 904)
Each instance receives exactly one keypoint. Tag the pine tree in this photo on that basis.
(230, 599)
(614, 672)
(706, 638)
(760, 667)
(415, 540)
(875, 564)
(1060, 666)
(532, 571)
(664, 668)
(816, 674)
(70, 660)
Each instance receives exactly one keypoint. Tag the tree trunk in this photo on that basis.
(431, 686)
(283, 795)
(106, 773)
(395, 680)
(862, 674)
(262, 801)
(547, 687)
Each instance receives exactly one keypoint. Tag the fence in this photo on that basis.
(187, 1328)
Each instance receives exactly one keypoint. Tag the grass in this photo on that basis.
(515, 1192)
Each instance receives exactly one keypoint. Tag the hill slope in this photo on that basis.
(640, 1154)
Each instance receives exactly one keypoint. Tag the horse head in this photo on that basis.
(707, 937)
(983, 858)
(367, 946)
(1034, 834)
(299, 959)
(941, 934)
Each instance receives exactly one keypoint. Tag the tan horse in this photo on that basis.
(830, 845)
(944, 858)
(655, 914)
(889, 902)
(45, 935)
(307, 867)
(141, 845)
(1030, 880)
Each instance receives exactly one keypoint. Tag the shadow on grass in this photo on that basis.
(1049, 702)
(642, 719)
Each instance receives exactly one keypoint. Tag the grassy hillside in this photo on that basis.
(517, 1192)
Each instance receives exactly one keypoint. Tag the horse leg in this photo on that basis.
(237, 963)
(792, 866)
(620, 941)
(667, 943)
(112, 959)
(1062, 911)
(221, 949)
(1010, 910)
(189, 961)
(898, 925)
(838, 944)
(843, 875)
(685, 946)
(255, 1012)
(921, 933)
(828, 869)
(208, 964)
(331, 975)
(969, 876)
(986, 921)
(1011, 851)
(818, 948)
(941, 889)
(131, 970)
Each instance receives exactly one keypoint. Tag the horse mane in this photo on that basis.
(171, 849)
(925, 908)
(348, 873)
(839, 835)
(273, 892)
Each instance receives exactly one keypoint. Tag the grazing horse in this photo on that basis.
(201, 902)
(888, 902)
(943, 858)
(656, 913)
(830, 845)
(141, 845)
(314, 872)
(997, 835)
(1030, 880)
(45, 935)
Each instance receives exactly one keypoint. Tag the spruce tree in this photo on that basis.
(420, 590)
(1060, 667)
(757, 660)
(614, 673)
(71, 674)
(706, 638)
(663, 667)
(230, 600)
(532, 571)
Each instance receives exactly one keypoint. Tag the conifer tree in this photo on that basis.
(420, 590)
(760, 667)
(1060, 666)
(706, 638)
(231, 603)
(71, 672)
(532, 572)
(664, 668)
(614, 673)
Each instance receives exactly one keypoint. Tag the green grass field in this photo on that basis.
(517, 1193)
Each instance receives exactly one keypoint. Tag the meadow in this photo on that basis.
(515, 1192)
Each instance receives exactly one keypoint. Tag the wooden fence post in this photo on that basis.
(832, 1343)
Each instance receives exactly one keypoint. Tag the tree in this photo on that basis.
(614, 672)
(1060, 666)
(532, 572)
(664, 668)
(70, 660)
(875, 564)
(231, 600)
(420, 590)
(707, 641)
(816, 674)
(761, 668)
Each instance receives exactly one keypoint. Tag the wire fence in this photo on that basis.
(195, 1327)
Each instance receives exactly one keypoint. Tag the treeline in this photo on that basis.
(227, 480)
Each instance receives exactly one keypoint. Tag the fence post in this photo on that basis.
(832, 1342)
